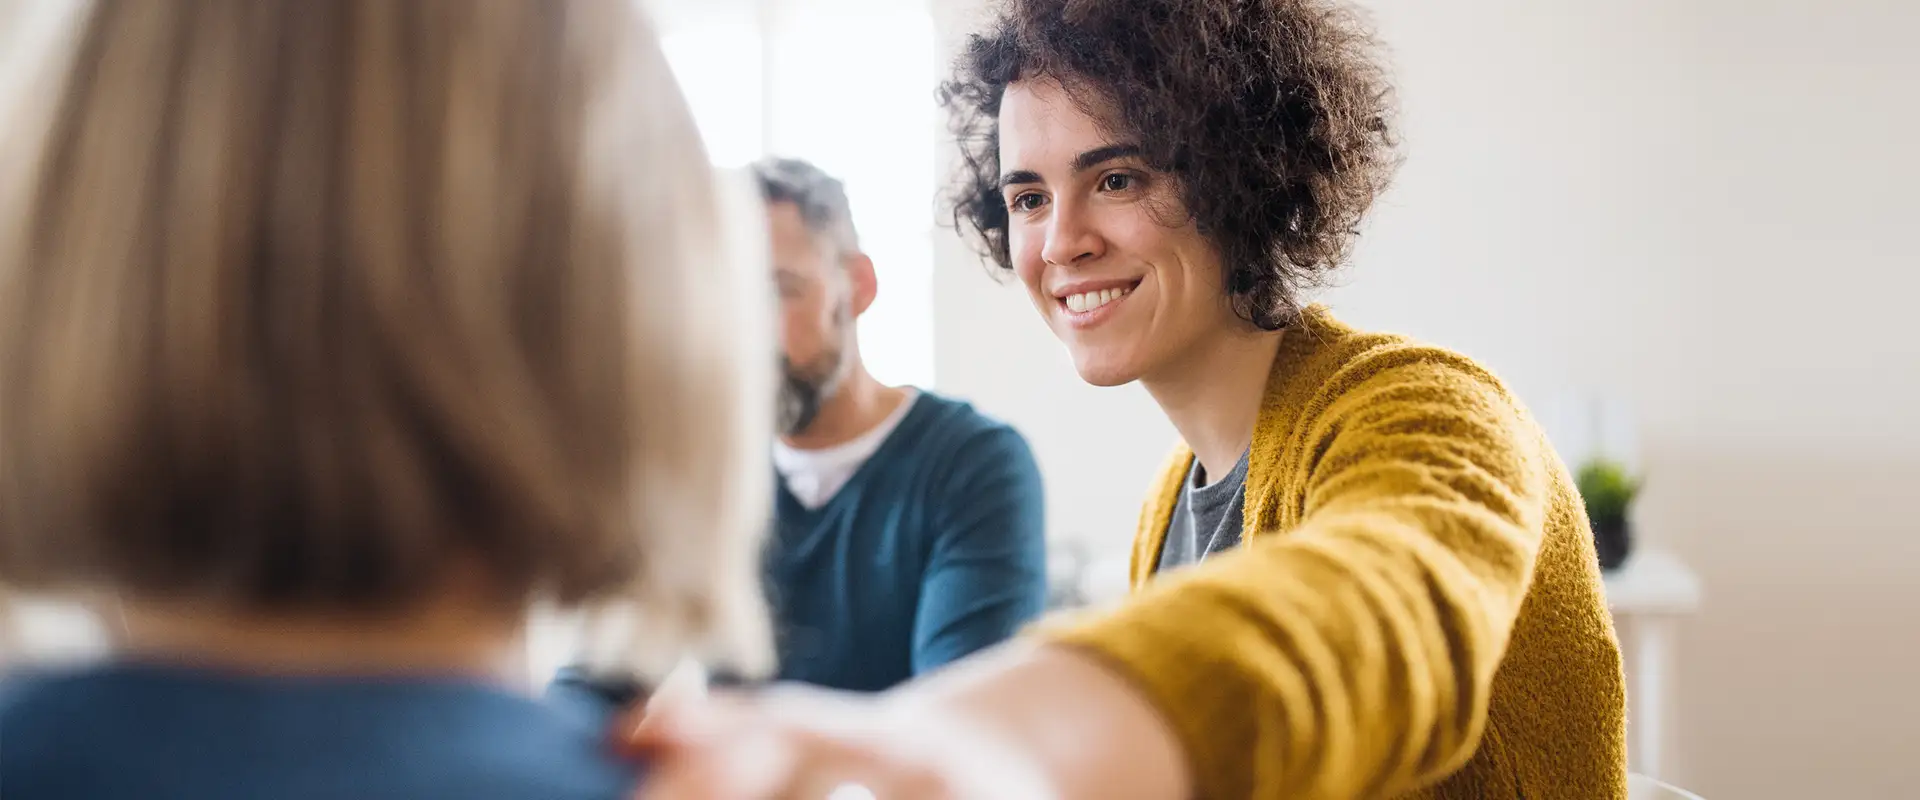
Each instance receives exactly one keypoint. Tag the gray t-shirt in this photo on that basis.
(1207, 517)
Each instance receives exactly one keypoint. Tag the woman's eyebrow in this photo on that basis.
(1018, 177)
(1081, 163)
(1101, 155)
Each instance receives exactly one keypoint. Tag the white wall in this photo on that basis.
(1700, 212)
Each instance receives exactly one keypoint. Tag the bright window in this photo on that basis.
(848, 85)
(717, 58)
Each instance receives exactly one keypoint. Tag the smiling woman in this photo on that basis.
(1281, 209)
(1100, 239)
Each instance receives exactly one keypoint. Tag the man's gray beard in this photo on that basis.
(799, 401)
(803, 392)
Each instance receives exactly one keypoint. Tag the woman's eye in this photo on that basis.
(1116, 182)
(1026, 202)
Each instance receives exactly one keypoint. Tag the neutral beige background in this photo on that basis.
(1702, 213)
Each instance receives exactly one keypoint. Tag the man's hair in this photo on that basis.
(303, 302)
(821, 198)
(1272, 114)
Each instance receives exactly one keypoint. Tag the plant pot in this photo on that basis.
(1613, 540)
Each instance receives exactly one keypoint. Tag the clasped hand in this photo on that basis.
(790, 742)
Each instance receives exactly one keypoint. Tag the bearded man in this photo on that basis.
(910, 528)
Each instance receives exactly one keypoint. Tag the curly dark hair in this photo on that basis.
(1272, 114)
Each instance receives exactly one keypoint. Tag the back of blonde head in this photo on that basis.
(306, 302)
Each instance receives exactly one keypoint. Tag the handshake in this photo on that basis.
(948, 736)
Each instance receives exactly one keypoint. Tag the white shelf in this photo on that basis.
(1653, 581)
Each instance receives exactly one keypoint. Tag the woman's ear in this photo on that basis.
(862, 280)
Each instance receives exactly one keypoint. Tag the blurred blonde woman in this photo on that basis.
(334, 336)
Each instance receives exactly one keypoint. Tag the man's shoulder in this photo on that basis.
(955, 417)
(950, 428)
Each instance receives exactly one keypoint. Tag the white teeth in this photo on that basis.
(1088, 301)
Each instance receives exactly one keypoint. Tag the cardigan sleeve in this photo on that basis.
(1353, 655)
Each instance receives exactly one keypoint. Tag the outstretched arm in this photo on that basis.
(1352, 656)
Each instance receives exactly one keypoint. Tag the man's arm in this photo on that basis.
(987, 572)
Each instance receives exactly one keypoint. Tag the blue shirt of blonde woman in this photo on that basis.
(124, 731)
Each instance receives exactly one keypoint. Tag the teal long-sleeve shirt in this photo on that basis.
(935, 548)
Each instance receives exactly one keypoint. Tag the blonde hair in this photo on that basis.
(302, 301)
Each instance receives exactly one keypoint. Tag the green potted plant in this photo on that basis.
(1608, 491)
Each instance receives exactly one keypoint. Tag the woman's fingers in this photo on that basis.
(713, 752)
(770, 747)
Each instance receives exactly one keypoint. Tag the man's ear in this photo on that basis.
(862, 280)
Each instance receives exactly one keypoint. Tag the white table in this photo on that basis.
(1641, 787)
(1649, 594)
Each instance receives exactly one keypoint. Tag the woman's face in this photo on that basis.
(1108, 253)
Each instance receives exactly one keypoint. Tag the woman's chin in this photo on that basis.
(1104, 371)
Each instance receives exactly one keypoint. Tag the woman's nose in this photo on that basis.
(1071, 238)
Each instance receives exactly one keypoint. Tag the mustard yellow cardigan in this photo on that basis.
(1415, 610)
